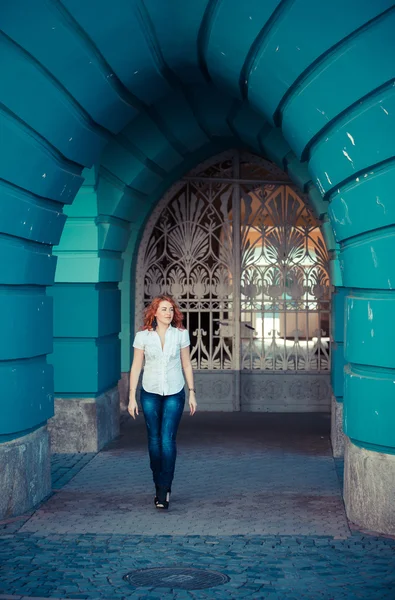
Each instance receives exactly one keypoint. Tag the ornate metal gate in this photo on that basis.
(242, 253)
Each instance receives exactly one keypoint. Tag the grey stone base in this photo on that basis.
(84, 424)
(369, 488)
(123, 388)
(337, 435)
(25, 473)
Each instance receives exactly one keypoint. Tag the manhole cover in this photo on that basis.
(183, 578)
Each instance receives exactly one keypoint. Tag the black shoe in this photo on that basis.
(162, 498)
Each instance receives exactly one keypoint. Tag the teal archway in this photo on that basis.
(318, 95)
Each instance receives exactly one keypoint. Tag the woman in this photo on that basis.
(164, 344)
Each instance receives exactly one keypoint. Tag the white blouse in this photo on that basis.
(162, 371)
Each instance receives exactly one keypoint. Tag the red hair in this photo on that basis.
(150, 311)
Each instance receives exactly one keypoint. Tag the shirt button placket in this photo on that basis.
(165, 376)
(163, 365)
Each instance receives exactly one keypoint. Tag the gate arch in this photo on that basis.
(88, 82)
(241, 251)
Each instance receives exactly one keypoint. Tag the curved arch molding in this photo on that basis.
(102, 110)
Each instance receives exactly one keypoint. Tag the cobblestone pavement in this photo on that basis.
(256, 497)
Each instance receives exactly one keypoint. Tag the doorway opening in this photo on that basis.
(237, 245)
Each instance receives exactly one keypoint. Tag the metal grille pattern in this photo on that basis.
(184, 578)
(243, 255)
(285, 291)
(189, 255)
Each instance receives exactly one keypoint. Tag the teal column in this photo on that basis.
(31, 221)
(369, 271)
(87, 322)
(337, 369)
(337, 318)
(128, 294)
(337, 311)
(369, 396)
(347, 138)
(337, 338)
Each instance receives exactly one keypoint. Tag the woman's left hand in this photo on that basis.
(192, 403)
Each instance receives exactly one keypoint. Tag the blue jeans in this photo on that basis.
(162, 417)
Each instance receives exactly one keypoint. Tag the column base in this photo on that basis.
(369, 488)
(123, 388)
(25, 473)
(84, 424)
(337, 436)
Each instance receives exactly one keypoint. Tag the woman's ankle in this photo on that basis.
(162, 493)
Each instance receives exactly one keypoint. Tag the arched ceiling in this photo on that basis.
(200, 122)
(140, 90)
(142, 86)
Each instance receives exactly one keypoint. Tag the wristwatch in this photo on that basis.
(192, 390)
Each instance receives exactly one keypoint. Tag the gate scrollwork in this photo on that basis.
(280, 321)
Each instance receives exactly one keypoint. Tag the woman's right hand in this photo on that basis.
(133, 409)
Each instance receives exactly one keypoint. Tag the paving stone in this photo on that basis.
(282, 493)
(257, 503)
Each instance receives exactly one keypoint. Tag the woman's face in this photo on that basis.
(165, 313)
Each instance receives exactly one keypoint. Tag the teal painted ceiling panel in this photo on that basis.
(247, 124)
(295, 43)
(146, 136)
(27, 163)
(74, 136)
(129, 169)
(226, 53)
(273, 144)
(179, 118)
(372, 194)
(298, 172)
(316, 201)
(212, 107)
(327, 232)
(186, 19)
(368, 262)
(359, 67)
(55, 44)
(362, 139)
(26, 216)
(129, 50)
